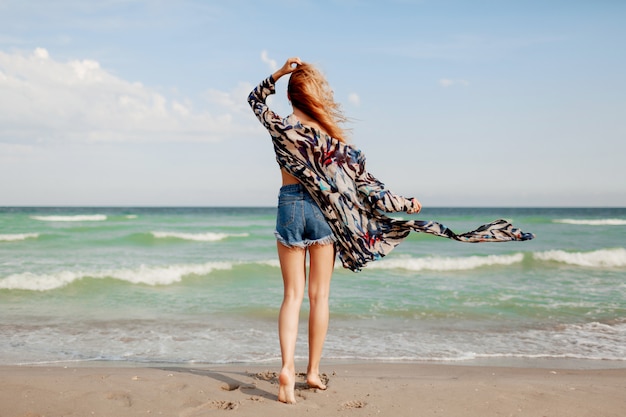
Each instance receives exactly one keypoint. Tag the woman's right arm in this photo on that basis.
(256, 100)
(288, 67)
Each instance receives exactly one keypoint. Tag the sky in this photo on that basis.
(457, 103)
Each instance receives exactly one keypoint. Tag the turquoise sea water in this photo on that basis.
(203, 285)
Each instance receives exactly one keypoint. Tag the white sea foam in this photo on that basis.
(76, 218)
(148, 275)
(275, 263)
(18, 236)
(201, 237)
(603, 258)
(593, 222)
(432, 263)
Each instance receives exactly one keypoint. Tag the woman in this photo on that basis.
(300, 225)
(338, 201)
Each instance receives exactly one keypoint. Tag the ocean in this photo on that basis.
(203, 286)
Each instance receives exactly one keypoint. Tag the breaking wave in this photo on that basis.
(200, 237)
(593, 222)
(75, 218)
(447, 263)
(18, 236)
(148, 275)
(602, 258)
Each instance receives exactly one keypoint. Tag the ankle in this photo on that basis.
(288, 369)
(312, 370)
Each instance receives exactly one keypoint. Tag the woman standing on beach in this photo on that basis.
(336, 200)
(301, 226)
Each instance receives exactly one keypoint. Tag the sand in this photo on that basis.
(360, 389)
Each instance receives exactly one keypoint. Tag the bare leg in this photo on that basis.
(321, 269)
(292, 266)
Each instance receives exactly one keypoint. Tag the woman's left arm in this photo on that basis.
(380, 197)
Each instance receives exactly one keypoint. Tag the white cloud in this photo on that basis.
(271, 62)
(446, 82)
(41, 53)
(354, 99)
(233, 101)
(44, 99)
(15, 149)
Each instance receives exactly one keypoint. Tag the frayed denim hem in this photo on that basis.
(327, 240)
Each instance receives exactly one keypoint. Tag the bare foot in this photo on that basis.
(287, 383)
(313, 380)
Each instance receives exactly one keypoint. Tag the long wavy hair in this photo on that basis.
(309, 92)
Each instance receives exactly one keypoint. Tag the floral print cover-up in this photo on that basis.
(352, 200)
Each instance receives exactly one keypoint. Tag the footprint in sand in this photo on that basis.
(223, 405)
(353, 404)
(123, 398)
(267, 376)
(213, 405)
(300, 376)
(235, 386)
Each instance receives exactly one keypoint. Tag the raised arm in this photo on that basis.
(257, 97)
(288, 67)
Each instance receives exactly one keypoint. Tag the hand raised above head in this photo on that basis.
(288, 67)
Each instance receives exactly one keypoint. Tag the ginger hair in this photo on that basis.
(309, 92)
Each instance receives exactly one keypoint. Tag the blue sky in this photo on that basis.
(458, 103)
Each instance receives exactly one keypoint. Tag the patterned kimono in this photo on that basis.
(352, 200)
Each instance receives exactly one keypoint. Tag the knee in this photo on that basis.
(319, 296)
(293, 297)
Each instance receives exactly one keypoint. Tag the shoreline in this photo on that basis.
(363, 388)
(491, 362)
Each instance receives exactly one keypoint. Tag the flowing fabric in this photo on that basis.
(353, 200)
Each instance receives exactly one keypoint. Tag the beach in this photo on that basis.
(357, 389)
(172, 311)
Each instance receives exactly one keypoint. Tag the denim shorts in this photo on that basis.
(299, 221)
